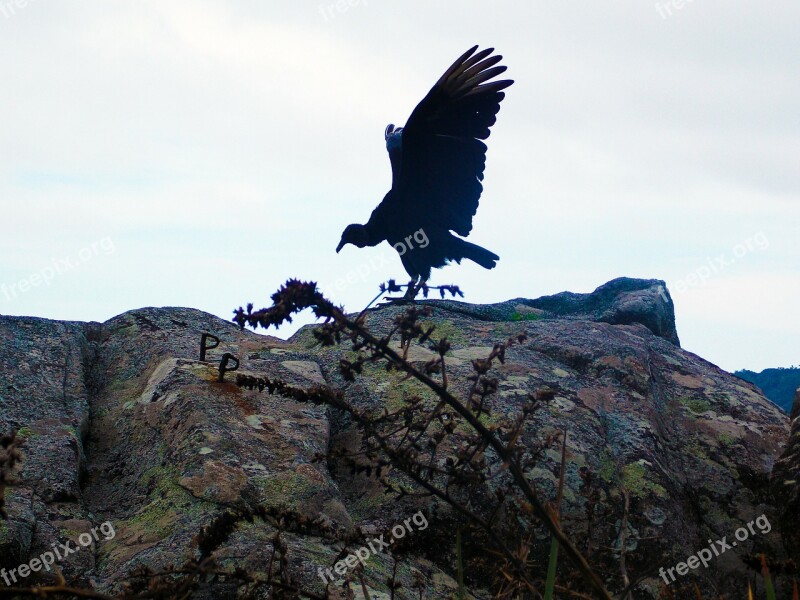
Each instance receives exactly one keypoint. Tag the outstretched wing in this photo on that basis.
(443, 157)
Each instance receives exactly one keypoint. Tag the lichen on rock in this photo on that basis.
(123, 423)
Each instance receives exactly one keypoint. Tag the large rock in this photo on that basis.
(44, 395)
(622, 301)
(123, 423)
(786, 485)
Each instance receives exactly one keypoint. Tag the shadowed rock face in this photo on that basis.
(786, 485)
(123, 423)
(622, 301)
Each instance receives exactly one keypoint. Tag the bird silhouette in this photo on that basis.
(438, 161)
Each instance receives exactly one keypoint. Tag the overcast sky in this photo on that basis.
(195, 153)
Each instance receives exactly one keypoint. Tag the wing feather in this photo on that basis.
(481, 66)
(473, 82)
(460, 63)
(443, 158)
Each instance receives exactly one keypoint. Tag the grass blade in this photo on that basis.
(550, 583)
(767, 579)
(462, 594)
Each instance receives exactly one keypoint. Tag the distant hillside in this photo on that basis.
(778, 385)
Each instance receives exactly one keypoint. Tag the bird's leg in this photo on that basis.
(414, 286)
(411, 290)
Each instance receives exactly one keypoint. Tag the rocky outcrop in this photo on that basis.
(44, 395)
(124, 424)
(622, 301)
(786, 485)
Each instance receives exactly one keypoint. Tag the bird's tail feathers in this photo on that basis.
(482, 256)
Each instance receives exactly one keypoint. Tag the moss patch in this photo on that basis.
(695, 449)
(27, 432)
(447, 329)
(531, 316)
(287, 489)
(169, 503)
(608, 468)
(696, 405)
(635, 481)
(396, 390)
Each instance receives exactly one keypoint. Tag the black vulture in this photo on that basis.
(438, 160)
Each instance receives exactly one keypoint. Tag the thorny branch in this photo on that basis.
(409, 439)
(296, 296)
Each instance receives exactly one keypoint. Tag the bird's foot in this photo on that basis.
(395, 301)
(412, 289)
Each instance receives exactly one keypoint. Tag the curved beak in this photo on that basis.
(340, 246)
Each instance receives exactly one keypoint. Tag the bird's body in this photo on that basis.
(438, 160)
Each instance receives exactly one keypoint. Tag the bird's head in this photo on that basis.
(353, 234)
